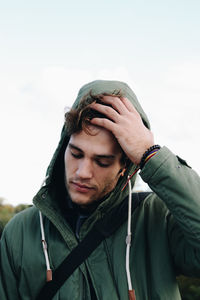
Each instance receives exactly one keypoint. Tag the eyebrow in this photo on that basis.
(75, 147)
(108, 156)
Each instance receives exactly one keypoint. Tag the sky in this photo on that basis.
(49, 49)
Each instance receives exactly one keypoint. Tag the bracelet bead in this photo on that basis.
(148, 154)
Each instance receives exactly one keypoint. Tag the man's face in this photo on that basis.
(92, 165)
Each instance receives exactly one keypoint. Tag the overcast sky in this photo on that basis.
(48, 49)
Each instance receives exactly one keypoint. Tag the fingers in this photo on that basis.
(116, 103)
(113, 112)
(105, 123)
(119, 107)
(106, 110)
(129, 106)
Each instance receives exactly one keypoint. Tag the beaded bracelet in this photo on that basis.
(148, 154)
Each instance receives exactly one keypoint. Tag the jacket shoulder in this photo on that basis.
(21, 220)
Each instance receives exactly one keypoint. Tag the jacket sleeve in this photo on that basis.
(179, 187)
(8, 280)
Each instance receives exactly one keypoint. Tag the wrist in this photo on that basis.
(148, 154)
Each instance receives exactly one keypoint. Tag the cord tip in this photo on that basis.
(49, 275)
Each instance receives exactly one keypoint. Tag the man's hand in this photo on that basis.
(126, 125)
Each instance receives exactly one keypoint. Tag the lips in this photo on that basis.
(79, 187)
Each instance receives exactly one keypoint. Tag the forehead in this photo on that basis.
(99, 142)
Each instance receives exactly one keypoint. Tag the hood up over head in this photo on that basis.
(55, 171)
(110, 87)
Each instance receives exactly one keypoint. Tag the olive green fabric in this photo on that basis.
(165, 242)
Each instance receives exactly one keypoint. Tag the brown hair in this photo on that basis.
(78, 119)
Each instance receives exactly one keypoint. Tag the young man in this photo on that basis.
(106, 138)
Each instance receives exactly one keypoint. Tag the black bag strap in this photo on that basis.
(101, 230)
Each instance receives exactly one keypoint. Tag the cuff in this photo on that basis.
(153, 164)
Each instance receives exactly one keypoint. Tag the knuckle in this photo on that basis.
(109, 110)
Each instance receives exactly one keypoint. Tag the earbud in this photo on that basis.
(122, 171)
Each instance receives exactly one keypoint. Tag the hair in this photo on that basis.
(78, 119)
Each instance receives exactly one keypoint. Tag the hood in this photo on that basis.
(55, 171)
(108, 86)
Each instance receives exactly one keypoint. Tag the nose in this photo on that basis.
(84, 169)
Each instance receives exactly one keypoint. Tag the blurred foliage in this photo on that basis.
(189, 287)
(7, 211)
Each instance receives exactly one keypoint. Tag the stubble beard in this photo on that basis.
(95, 199)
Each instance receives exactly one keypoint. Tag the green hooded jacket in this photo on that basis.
(165, 232)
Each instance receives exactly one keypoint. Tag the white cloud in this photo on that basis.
(174, 109)
(184, 76)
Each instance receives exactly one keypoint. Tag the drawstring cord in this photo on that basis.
(129, 178)
(44, 243)
(128, 242)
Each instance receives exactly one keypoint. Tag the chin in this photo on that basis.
(81, 200)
